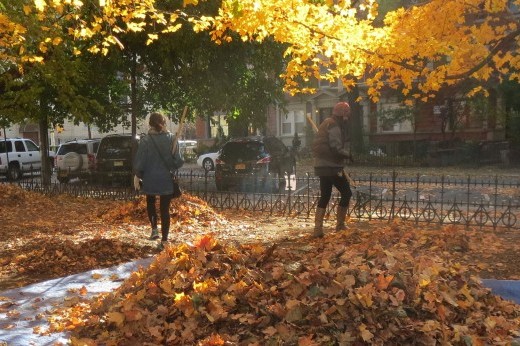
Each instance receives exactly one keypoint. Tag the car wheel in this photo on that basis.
(72, 161)
(14, 172)
(208, 164)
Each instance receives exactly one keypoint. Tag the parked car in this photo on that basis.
(254, 163)
(207, 161)
(17, 156)
(76, 159)
(188, 149)
(52, 156)
(114, 160)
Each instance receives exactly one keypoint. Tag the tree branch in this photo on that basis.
(495, 50)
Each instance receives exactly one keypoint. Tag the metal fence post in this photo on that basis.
(417, 214)
(370, 196)
(308, 193)
(394, 194)
(467, 202)
(441, 217)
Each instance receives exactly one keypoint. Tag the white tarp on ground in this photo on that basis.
(18, 322)
(36, 299)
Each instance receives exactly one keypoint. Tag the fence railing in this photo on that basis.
(473, 201)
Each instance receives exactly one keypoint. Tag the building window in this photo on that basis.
(325, 83)
(216, 122)
(299, 122)
(287, 121)
(394, 117)
(293, 122)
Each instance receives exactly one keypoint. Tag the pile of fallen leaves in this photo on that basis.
(353, 288)
(264, 281)
(185, 210)
(44, 237)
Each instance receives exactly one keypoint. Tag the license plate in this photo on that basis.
(240, 166)
(118, 163)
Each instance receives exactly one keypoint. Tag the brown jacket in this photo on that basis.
(328, 148)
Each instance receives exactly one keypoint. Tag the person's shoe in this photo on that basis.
(154, 235)
(342, 215)
(318, 233)
(162, 245)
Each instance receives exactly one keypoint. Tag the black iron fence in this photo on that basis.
(473, 201)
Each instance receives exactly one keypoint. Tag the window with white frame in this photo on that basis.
(293, 122)
(325, 83)
(394, 117)
(299, 122)
(287, 120)
(217, 121)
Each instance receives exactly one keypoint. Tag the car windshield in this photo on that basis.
(242, 150)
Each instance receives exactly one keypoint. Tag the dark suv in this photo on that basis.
(254, 163)
(114, 160)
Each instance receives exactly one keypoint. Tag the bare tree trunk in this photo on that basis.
(133, 94)
(356, 121)
(44, 149)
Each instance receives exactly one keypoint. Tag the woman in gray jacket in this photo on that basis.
(153, 166)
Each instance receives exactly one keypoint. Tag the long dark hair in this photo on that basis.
(157, 122)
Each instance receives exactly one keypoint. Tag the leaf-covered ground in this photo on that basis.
(254, 279)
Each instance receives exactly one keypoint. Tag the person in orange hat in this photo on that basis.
(330, 155)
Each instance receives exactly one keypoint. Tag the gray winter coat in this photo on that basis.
(148, 165)
(328, 149)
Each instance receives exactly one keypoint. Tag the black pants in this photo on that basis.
(341, 183)
(164, 206)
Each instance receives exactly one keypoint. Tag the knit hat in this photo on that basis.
(341, 109)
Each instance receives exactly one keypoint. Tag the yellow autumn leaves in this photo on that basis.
(441, 43)
(417, 50)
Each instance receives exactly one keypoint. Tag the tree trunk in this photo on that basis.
(44, 149)
(417, 110)
(133, 94)
(356, 121)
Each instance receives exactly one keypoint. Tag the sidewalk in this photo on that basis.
(41, 298)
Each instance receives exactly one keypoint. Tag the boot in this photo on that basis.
(155, 234)
(318, 222)
(162, 245)
(342, 215)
